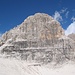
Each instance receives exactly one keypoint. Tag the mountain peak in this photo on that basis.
(39, 38)
(39, 26)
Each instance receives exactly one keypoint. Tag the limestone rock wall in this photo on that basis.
(39, 38)
(40, 27)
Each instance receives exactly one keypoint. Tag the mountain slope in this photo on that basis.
(17, 67)
(72, 36)
(39, 39)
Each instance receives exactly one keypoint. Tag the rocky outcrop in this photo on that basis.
(39, 27)
(39, 38)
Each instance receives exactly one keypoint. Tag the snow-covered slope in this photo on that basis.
(17, 67)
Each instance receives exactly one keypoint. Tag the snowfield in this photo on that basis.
(18, 67)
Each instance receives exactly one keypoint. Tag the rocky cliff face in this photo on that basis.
(36, 27)
(39, 38)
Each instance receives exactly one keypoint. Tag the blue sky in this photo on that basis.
(13, 12)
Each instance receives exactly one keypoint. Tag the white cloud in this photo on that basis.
(70, 29)
(57, 16)
(66, 15)
(63, 10)
(73, 18)
(0, 35)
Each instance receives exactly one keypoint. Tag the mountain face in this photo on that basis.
(37, 27)
(72, 36)
(39, 38)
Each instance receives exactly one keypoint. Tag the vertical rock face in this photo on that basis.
(39, 27)
(39, 38)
